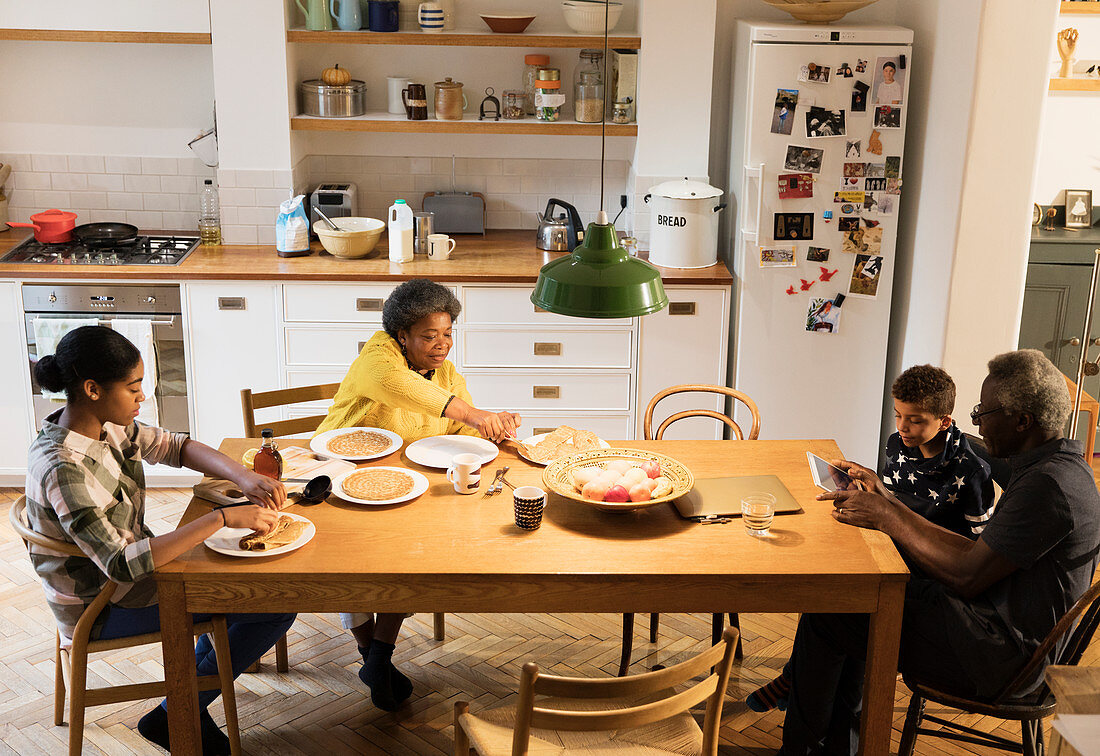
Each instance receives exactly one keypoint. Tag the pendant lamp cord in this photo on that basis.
(603, 114)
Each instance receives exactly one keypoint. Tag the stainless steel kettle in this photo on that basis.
(561, 233)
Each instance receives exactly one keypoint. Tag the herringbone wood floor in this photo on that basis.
(321, 706)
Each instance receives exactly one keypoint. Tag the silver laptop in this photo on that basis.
(721, 497)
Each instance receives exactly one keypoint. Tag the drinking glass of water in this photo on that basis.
(757, 511)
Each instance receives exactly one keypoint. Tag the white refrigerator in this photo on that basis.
(827, 382)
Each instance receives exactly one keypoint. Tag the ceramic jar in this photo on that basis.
(449, 100)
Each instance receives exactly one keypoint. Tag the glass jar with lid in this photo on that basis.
(588, 87)
(548, 95)
(530, 75)
(513, 105)
(620, 112)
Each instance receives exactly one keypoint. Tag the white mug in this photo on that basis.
(465, 473)
(430, 17)
(440, 246)
(394, 86)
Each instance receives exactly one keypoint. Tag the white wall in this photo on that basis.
(109, 15)
(987, 283)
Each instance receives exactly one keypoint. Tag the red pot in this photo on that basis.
(51, 226)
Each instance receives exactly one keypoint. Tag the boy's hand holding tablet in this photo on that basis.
(852, 488)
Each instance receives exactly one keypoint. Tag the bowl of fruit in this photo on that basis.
(618, 480)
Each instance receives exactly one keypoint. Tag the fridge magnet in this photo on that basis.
(848, 224)
(783, 115)
(844, 70)
(874, 170)
(869, 223)
(793, 226)
(848, 208)
(817, 254)
(893, 186)
(796, 185)
(851, 183)
(824, 123)
(875, 185)
(861, 65)
(859, 97)
(815, 73)
(823, 314)
(826, 274)
(870, 202)
(1078, 208)
(866, 273)
(803, 159)
(889, 84)
(777, 257)
(805, 285)
(892, 167)
(855, 197)
(865, 241)
(852, 148)
(887, 117)
(874, 143)
(853, 170)
(791, 290)
(827, 216)
(886, 203)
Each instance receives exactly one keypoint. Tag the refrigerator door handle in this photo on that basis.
(754, 172)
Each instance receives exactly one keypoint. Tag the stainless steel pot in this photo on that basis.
(328, 101)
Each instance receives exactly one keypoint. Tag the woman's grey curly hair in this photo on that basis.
(1029, 382)
(416, 299)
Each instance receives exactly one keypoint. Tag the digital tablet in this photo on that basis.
(828, 477)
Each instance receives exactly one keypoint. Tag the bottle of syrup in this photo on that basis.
(268, 461)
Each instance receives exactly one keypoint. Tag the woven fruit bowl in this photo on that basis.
(819, 11)
(558, 476)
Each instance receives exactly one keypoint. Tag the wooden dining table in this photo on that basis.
(445, 552)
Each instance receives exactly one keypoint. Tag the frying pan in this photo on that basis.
(105, 234)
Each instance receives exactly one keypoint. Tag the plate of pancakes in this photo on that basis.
(376, 486)
(544, 448)
(356, 443)
(292, 531)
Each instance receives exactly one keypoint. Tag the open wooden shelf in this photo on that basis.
(388, 122)
(140, 37)
(1076, 84)
(1080, 8)
(465, 38)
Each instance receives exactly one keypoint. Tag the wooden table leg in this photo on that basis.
(178, 647)
(881, 674)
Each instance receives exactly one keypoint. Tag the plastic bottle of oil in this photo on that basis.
(210, 223)
(268, 461)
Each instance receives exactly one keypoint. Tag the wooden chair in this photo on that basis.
(71, 664)
(1028, 710)
(250, 402)
(637, 714)
(717, 620)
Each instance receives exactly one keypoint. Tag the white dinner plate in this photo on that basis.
(420, 485)
(227, 540)
(319, 443)
(437, 451)
(530, 442)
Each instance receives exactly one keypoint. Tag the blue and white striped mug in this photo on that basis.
(430, 17)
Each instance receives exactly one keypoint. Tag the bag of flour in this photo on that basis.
(292, 227)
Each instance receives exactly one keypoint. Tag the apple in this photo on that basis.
(640, 492)
(617, 494)
(652, 468)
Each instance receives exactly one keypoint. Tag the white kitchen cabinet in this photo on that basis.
(485, 346)
(685, 343)
(15, 389)
(234, 344)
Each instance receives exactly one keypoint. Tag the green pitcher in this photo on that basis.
(317, 17)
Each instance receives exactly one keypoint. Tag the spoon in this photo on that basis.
(314, 492)
(327, 220)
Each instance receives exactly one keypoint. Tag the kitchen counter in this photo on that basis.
(498, 257)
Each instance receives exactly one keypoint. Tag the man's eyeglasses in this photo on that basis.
(977, 413)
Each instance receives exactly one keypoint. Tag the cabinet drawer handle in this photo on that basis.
(681, 308)
(540, 431)
(232, 303)
(540, 310)
(360, 346)
(547, 349)
(368, 305)
(546, 392)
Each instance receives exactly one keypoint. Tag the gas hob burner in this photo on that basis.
(152, 249)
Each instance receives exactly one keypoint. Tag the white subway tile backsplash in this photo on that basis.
(86, 163)
(68, 181)
(142, 183)
(160, 166)
(270, 196)
(239, 234)
(28, 180)
(106, 182)
(194, 167)
(50, 199)
(265, 234)
(88, 201)
(124, 201)
(179, 184)
(18, 162)
(238, 196)
(162, 201)
(256, 179)
(257, 216)
(227, 179)
(180, 222)
(189, 202)
(123, 164)
(228, 215)
(49, 163)
(145, 220)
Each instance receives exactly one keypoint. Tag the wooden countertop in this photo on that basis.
(498, 257)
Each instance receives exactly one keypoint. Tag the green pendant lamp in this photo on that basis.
(600, 279)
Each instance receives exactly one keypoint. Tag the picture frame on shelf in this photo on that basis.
(1078, 208)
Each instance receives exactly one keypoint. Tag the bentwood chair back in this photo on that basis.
(71, 664)
(1079, 624)
(252, 401)
(637, 714)
(718, 619)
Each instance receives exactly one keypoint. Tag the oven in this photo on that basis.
(157, 303)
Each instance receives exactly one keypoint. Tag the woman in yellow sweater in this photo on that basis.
(402, 381)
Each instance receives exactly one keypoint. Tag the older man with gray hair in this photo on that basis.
(975, 611)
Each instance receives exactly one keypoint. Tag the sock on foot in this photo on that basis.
(402, 686)
(376, 675)
(154, 728)
(770, 696)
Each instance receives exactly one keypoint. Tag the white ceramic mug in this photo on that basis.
(440, 246)
(465, 473)
(394, 87)
(430, 17)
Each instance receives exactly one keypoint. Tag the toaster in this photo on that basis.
(335, 201)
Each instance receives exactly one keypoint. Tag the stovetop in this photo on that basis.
(145, 250)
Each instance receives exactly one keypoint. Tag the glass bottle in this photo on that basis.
(548, 95)
(515, 101)
(210, 224)
(268, 461)
(588, 88)
(530, 76)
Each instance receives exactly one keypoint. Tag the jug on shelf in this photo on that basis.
(349, 17)
(317, 16)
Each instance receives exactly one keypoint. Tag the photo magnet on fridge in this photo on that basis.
(803, 159)
(874, 170)
(852, 148)
(844, 70)
(793, 226)
(815, 73)
(870, 202)
(866, 274)
(893, 186)
(861, 65)
(875, 185)
(854, 197)
(892, 167)
(866, 241)
(887, 117)
(853, 170)
(823, 314)
(889, 82)
(783, 115)
(796, 185)
(887, 203)
(824, 123)
(817, 254)
(777, 257)
(848, 224)
(859, 97)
